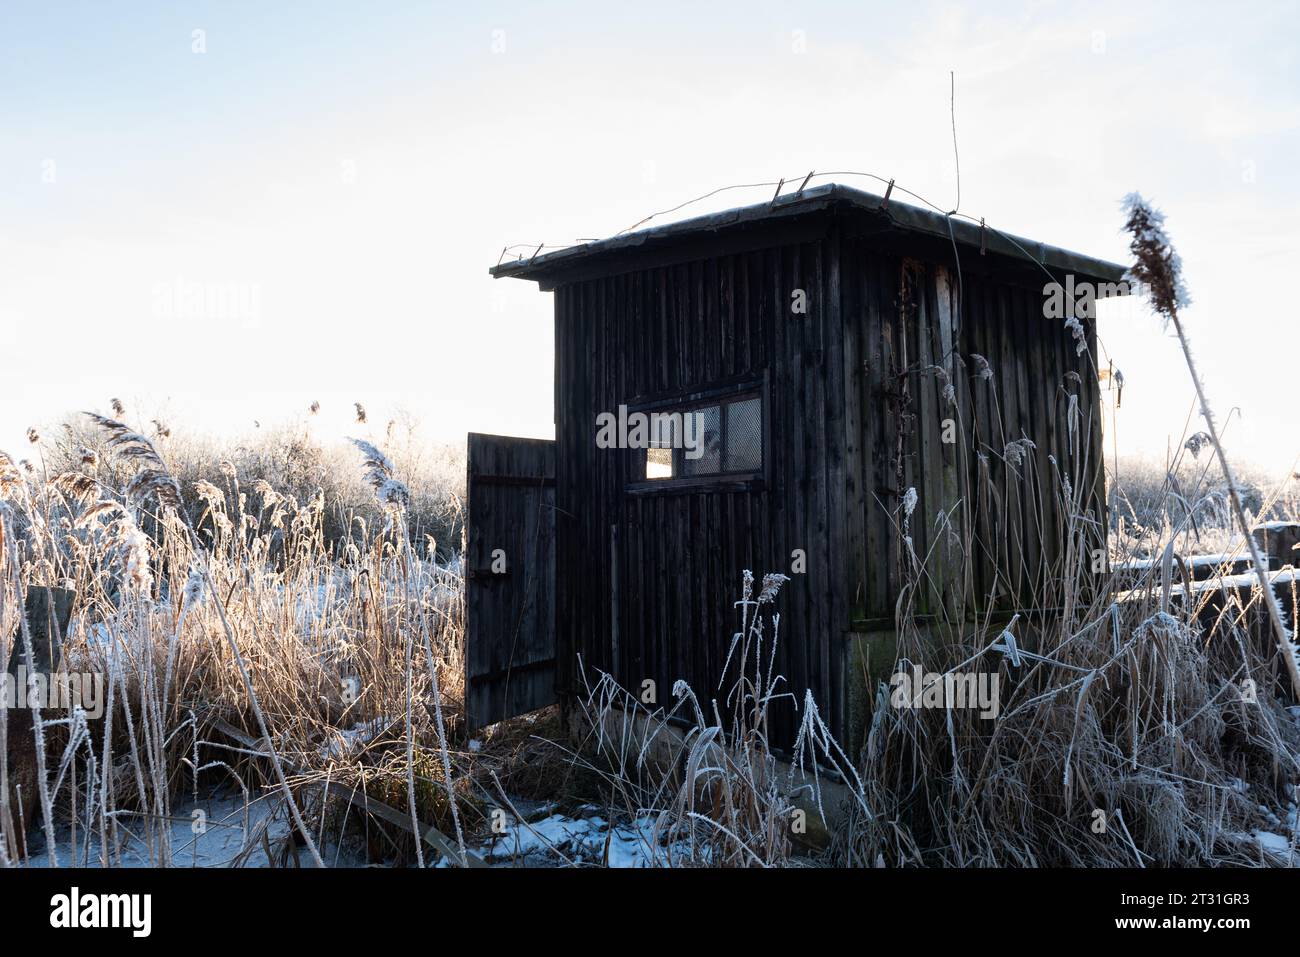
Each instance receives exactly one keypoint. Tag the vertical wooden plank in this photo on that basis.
(1044, 352)
(878, 295)
(1008, 396)
(975, 330)
(839, 515)
(952, 407)
(856, 471)
(1031, 380)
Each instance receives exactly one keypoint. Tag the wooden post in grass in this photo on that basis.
(48, 610)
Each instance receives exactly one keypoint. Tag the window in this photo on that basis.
(723, 437)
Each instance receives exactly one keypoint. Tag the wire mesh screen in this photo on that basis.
(706, 456)
(744, 436)
(710, 440)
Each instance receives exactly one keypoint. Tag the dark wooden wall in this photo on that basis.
(907, 318)
(646, 579)
(670, 560)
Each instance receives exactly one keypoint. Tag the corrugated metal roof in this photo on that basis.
(553, 266)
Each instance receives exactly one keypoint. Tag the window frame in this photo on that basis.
(719, 395)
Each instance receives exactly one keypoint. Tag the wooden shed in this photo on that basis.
(833, 355)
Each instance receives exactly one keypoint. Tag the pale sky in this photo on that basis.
(336, 178)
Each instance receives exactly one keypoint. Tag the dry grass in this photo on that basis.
(173, 622)
(1125, 709)
(353, 647)
(1185, 500)
(1123, 739)
(285, 465)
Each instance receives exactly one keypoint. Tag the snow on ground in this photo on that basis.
(223, 837)
(586, 838)
(1276, 845)
(219, 836)
(1277, 842)
(1280, 845)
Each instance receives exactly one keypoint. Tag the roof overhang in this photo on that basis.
(619, 253)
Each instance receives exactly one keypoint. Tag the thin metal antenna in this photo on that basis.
(952, 112)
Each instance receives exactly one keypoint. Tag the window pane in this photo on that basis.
(744, 451)
(659, 463)
(663, 437)
(663, 429)
(705, 433)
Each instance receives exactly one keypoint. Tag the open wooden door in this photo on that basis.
(509, 578)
